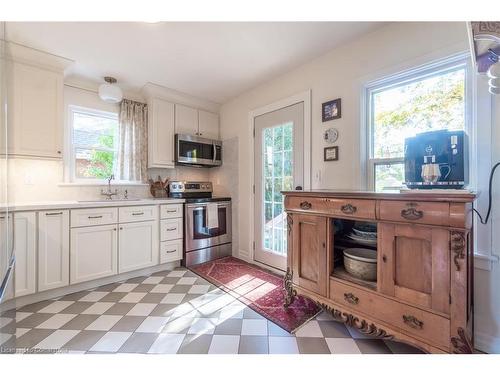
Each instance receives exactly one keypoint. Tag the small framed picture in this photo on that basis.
(331, 153)
(331, 110)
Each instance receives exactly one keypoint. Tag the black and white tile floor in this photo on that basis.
(171, 312)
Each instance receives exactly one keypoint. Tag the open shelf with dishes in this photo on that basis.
(354, 257)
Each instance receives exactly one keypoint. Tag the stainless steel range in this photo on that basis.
(207, 222)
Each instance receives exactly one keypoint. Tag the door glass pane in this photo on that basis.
(277, 156)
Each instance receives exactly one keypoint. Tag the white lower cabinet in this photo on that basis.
(94, 252)
(25, 243)
(138, 245)
(170, 251)
(53, 249)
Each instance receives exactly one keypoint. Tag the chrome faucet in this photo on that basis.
(109, 193)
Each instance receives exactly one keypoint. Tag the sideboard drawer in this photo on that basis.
(430, 327)
(138, 213)
(436, 213)
(357, 208)
(306, 204)
(84, 217)
(171, 229)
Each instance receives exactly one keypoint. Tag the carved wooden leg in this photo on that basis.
(461, 343)
(290, 293)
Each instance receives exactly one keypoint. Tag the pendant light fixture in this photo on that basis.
(109, 92)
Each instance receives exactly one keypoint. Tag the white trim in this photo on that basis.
(486, 343)
(304, 97)
(405, 76)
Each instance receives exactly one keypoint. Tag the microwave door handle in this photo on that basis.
(215, 152)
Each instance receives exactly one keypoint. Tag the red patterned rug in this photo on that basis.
(259, 289)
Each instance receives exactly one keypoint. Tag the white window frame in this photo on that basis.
(408, 76)
(71, 146)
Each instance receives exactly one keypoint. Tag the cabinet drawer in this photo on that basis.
(170, 251)
(85, 217)
(357, 208)
(436, 213)
(360, 208)
(413, 321)
(169, 211)
(171, 229)
(138, 213)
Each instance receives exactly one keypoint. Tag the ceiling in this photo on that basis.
(210, 60)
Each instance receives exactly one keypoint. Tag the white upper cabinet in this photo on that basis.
(36, 112)
(186, 120)
(53, 249)
(208, 126)
(161, 134)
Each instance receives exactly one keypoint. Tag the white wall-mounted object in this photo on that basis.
(109, 91)
(25, 241)
(53, 249)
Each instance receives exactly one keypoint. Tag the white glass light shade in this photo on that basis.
(494, 70)
(110, 93)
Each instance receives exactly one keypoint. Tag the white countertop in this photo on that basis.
(59, 205)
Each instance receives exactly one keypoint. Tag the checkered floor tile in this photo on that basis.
(170, 312)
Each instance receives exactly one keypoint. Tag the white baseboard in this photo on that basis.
(59, 292)
(487, 343)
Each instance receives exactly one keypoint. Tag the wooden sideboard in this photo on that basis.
(423, 293)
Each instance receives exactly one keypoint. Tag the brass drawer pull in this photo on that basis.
(351, 298)
(413, 322)
(95, 217)
(348, 209)
(305, 205)
(411, 213)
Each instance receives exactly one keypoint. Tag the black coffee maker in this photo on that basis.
(437, 160)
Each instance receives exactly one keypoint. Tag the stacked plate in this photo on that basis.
(364, 234)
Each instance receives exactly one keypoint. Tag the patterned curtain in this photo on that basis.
(132, 142)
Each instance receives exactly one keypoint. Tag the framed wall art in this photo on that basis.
(331, 153)
(331, 110)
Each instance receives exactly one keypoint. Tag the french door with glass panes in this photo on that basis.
(279, 165)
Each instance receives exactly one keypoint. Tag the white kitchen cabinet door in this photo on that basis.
(161, 132)
(208, 125)
(186, 120)
(53, 249)
(138, 245)
(94, 252)
(170, 251)
(25, 243)
(36, 112)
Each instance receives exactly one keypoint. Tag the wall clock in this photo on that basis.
(331, 135)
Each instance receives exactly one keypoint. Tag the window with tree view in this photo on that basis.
(94, 143)
(432, 99)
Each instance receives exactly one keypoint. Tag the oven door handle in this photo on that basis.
(201, 206)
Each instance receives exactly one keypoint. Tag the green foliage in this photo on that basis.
(101, 162)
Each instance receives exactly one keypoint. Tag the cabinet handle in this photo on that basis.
(351, 298)
(121, 228)
(95, 217)
(411, 212)
(137, 213)
(171, 229)
(59, 152)
(53, 213)
(348, 209)
(413, 322)
(171, 211)
(305, 205)
(114, 229)
(171, 251)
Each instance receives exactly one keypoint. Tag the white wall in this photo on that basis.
(341, 73)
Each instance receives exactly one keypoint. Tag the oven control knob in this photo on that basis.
(174, 186)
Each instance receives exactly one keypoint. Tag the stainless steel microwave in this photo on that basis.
(197, 151)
